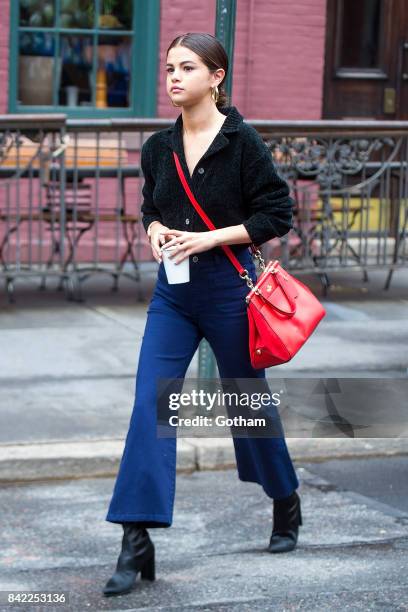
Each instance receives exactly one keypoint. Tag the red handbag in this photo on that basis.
(282, 311)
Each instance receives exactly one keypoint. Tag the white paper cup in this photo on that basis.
(175, 272)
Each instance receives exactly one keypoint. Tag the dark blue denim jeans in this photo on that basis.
(210, 306)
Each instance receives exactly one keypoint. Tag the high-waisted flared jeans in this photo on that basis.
(212, 306)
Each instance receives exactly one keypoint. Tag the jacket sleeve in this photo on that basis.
(149, 211)
(267, 197)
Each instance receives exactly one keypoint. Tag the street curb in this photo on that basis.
(101, 458)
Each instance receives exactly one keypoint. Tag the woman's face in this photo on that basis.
(186, 70)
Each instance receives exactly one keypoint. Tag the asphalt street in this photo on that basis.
(385, 481)
(352, 551)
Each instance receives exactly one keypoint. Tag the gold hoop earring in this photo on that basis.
(215, 94)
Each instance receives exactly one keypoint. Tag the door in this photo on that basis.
(366, 68)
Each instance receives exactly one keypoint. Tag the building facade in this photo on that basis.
(277, 69)
(294, 60)
(297, 59)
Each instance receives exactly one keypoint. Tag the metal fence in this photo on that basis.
(350, 183)
(70, 196)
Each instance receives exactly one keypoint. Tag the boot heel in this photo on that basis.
(300, 517)
(148, 570)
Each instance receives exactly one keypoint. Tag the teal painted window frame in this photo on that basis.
(144, 61)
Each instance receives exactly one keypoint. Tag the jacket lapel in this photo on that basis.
(230, 125)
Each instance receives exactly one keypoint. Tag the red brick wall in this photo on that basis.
(4, 54)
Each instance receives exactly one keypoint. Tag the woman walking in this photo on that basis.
(230, 172)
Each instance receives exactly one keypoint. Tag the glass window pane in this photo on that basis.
(75, 86)
(360, 33)
(78, 82)
(36, 67)
(37, 13)
(113, 77)
(77, 14)
(115, 14)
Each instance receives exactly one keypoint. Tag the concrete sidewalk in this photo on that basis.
(67, 373)
(100, 458)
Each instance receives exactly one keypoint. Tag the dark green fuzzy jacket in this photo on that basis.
(235, 182)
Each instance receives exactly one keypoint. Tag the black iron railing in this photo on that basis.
(70, 195)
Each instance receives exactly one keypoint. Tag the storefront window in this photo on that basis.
(78, 54)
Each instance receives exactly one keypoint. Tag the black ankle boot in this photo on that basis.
(287, 517)
(137, 555)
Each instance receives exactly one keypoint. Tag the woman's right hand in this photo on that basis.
(157, 240)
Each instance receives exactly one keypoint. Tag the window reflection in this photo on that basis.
(77, 14)
(113, 76)
(75, 88)
(115, 14)
(72, 13)
(78, 69)
(360, 33)
(36, 68)
(37, 13)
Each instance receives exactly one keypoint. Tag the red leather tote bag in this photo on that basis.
(282, 311)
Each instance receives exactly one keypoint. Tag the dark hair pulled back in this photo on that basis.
(211, 53)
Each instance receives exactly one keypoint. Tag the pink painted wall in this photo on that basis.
(278, 55)
(178, 17)
(4, 53)
(278, 59)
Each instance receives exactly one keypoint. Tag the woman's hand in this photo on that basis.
(157, 239)
(188, 243)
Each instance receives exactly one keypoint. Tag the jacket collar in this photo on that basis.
(230, 125)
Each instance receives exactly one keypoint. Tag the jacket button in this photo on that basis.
(187, 221)
(195, 258)
(200, 170)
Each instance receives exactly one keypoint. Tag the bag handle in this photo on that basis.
(272, 269)
(209, 223)
(289, 299)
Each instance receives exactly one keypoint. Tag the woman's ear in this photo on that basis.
(219, 73)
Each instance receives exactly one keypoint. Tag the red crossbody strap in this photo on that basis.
(203, 215)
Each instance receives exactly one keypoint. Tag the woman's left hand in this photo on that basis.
(188, 243)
